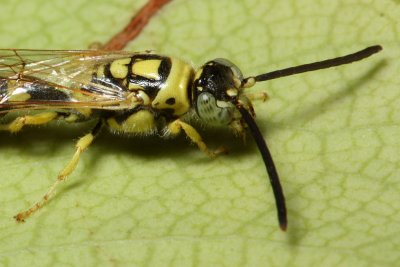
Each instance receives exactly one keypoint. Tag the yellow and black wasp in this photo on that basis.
(136, 93)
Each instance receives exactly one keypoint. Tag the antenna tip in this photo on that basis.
(282, 216)
(375, 48)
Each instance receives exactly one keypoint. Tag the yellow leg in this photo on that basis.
(175, 128)
(82, 144)
(263, 96)
(238, 130)
(17, 124)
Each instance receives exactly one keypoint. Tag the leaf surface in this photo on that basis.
(334, 135)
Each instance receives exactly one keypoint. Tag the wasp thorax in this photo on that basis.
(216, 89)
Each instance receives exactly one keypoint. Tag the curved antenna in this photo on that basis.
(256, 133)
(324, 64)
(269, 165)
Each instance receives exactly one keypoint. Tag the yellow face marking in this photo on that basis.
(232, 92)
(250, 82)
(119, 68)
(147, 68)
(223, 104)
(237, 82)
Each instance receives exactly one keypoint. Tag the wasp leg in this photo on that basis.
(82, 144)
(263, 96)
(17, 124)
(175, 128)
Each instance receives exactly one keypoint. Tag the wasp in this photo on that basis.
(137, 94)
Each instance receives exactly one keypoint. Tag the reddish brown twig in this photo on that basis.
(135, 26)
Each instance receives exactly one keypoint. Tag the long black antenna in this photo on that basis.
(324, 64)
(255, 131)
(269, 165)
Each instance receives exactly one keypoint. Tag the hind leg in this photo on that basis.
(82, 144)
(37, 119)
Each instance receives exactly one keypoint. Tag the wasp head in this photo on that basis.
(218, 99)
(217, 89)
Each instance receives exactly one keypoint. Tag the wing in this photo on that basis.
(42, 79)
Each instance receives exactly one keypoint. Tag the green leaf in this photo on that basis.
(334, 135)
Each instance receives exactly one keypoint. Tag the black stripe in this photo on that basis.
(150, 86)
(40, 92)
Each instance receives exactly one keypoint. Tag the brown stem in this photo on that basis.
(135, 26)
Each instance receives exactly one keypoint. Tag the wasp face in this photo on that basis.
(216, 90)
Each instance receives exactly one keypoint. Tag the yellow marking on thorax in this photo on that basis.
(100, 71)
(143, 97)
(147, 68)
(176, 87)
(119, 68)
(134, 87)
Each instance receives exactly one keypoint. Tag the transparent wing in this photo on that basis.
(40, 79)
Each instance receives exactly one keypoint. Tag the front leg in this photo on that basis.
(82, 144)
(177, 125)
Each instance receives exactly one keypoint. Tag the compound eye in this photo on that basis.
(212, 111)
(236, 71)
